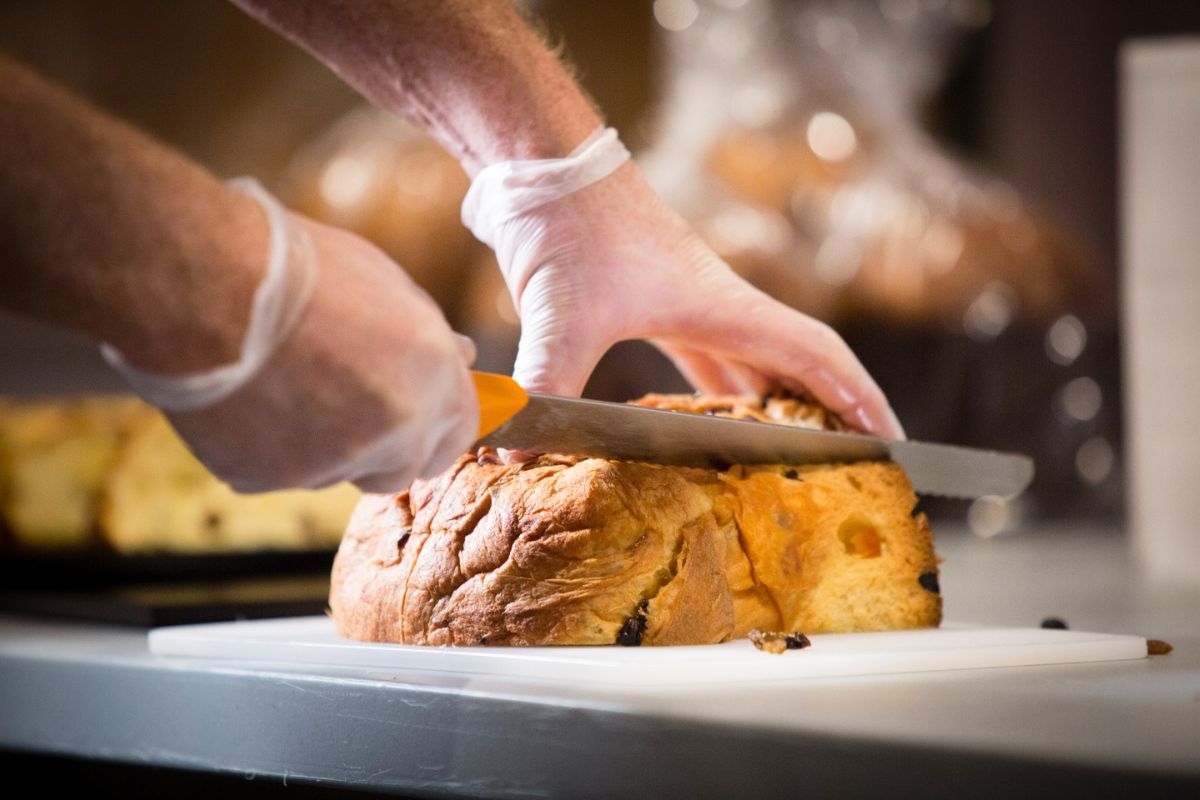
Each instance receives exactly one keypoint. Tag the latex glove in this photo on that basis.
(592, 256)
(348, 371)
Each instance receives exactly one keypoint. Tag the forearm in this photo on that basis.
(107, 232)
(469, 72)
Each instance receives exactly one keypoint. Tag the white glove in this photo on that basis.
(348, 371)
(593, 256)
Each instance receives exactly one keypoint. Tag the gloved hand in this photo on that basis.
(348, 371)
(592, 256)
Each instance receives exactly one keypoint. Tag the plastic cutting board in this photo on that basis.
(313, 640)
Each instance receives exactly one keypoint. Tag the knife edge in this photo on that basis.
(619, 431)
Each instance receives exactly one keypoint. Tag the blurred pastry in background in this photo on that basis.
(108, 473)
(54, 460)
(159, 497)
(376, 175)
(792, 138)
(912, 240)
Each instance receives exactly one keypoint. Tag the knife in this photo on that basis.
(513, 419)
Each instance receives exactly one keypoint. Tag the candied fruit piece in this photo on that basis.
(860, 537)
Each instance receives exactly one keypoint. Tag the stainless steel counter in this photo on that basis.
(1100, 729)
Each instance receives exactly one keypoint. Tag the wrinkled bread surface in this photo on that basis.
(568, 550)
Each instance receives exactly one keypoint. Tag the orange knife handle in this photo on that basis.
(500, 398)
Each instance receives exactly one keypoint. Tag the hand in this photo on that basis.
(371, 385)
(286, 353)
(612, 262)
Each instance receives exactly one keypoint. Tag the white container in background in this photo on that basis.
(1160, 232)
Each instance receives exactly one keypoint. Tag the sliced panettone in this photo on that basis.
(794, 411)
(571, 550)
(837, 546)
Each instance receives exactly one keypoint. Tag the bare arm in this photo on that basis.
(107, 232)
(469, 72)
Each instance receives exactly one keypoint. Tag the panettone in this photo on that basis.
(566, 550)
(54, 459)
(109, 473)
(158, 497)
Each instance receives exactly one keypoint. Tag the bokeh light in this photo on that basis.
(990, 312)
(346, 180)
(1081, 399)
(831, 137)
(837, 260)
(991, 516)
(1094, 460)
(676, 15)
(756, 105)
(1065, 340)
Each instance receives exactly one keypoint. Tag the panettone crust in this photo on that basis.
(572, 551)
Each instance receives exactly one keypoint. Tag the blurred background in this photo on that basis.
(935, 178)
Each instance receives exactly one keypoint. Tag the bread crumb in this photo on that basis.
(1157, 647)
(776, 641)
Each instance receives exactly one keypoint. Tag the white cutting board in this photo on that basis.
(312, 640)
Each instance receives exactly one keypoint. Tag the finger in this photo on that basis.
(384, 466)
(466, 349)
(552, 358)
(509, 457)
(452, 446)
(412, 451)
(254, 486)
(400, 472)
(389, 483)
(799, 351)
(706, 373)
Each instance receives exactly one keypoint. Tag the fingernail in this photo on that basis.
(893, 424)
(510, 457)
(466, 349)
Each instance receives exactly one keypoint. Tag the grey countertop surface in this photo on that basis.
(1104, 729)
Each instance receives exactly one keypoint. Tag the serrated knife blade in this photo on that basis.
(635, 433)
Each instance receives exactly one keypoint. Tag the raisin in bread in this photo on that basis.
(566, 550)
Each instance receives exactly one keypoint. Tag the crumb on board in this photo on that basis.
(1157, 647)
(777, 641)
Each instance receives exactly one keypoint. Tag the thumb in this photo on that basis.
(466, 349)
(554, 357)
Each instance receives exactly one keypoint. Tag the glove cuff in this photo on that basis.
(278, 302)
(507, 189)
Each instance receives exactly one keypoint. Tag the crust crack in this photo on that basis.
(636, 622)
(766, 590)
